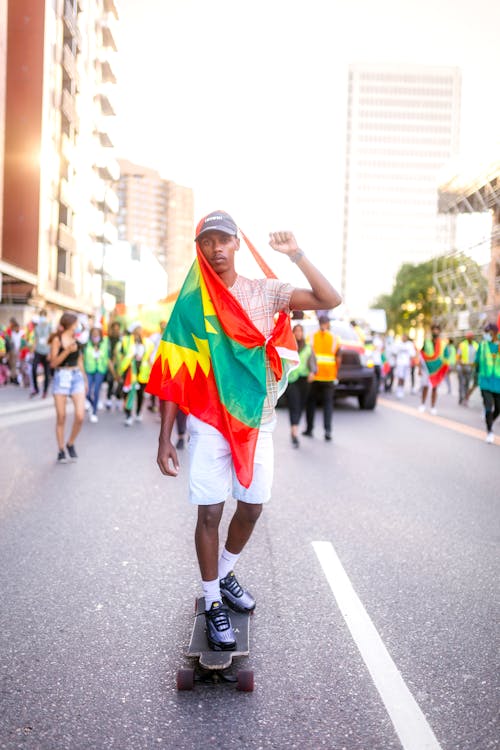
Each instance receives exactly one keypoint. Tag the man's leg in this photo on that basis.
(241, 526)
(250, 501)
(488, 402)
(425, 391)
(328, 391)
(467, 375)
(91, 391)
(206, 539)
(46, 373)
(496, 411)
(36, 360)
(220, 633)
(311, 409)
(434, 394)
(461, 384)
(180, 423)
(239, 532)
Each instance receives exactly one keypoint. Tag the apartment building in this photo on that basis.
(403, 126)
(157, 214)
(59, 167)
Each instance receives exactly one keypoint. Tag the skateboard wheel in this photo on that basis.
(244, 680)
(185, 679)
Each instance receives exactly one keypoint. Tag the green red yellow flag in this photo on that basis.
(211, 361)
(435, 359)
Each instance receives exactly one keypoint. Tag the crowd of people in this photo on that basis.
(398, 360)
(96, 369)
(115, 368)
(398, 363)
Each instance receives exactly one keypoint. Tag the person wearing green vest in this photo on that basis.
(299, 382)
(488, 372)
(135, 368)
(95, 363)
(466, 357)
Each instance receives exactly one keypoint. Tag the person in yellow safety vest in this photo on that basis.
(135, 367)
(95, 364)
(326, 347)
(466, 358)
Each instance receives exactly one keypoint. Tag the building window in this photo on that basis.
(62, 261)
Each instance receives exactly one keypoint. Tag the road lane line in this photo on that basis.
(409, 722)
(450, 424)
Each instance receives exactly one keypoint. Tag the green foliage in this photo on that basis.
(417, 297)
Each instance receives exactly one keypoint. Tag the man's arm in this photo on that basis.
(321, 295)
(167, 455)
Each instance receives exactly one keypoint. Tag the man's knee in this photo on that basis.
(209, 516)
(249, 512)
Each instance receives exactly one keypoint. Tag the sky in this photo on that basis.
(245, 101)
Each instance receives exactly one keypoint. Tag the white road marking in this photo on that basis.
(409, 722)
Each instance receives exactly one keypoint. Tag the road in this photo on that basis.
(375, 568)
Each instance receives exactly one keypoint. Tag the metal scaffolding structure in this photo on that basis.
(476, 192)
(461, 292)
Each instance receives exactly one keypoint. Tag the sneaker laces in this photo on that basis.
(219, 617)
(232, 585)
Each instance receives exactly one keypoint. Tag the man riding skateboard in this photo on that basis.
(219, 362)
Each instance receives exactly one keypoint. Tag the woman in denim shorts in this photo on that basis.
(69, 380)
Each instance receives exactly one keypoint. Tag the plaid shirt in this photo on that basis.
(262, 299)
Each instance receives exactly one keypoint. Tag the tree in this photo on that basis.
(418, 298)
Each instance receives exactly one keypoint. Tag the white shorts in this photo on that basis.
(402, 371)
(212, 478)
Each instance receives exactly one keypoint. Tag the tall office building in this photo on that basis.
(59, 167)
(402, 127)
(157, 214)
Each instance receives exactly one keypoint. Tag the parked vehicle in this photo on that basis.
(356, 375)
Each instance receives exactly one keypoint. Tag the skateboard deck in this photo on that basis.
(213, 664)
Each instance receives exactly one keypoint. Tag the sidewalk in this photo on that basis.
(15, 399)
(16, 406)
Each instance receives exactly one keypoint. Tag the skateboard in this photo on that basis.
(213, 666)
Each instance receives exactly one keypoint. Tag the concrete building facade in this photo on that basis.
(403, 125)
(59, 164)
(157, 214)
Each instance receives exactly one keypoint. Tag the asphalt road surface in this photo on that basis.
(375, 569)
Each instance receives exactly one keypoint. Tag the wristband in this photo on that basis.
(298, 254)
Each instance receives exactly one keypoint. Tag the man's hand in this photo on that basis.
(283, 242)
(167, 459)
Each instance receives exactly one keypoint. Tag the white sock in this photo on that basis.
(211, 592)
(227, 561)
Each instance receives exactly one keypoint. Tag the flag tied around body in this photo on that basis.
(434, 357)
(211, 360)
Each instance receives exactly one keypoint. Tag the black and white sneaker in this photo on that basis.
(71, 452)
(220, 633)
(61, 457)
(235, 595)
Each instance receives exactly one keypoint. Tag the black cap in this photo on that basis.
(217, 221)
